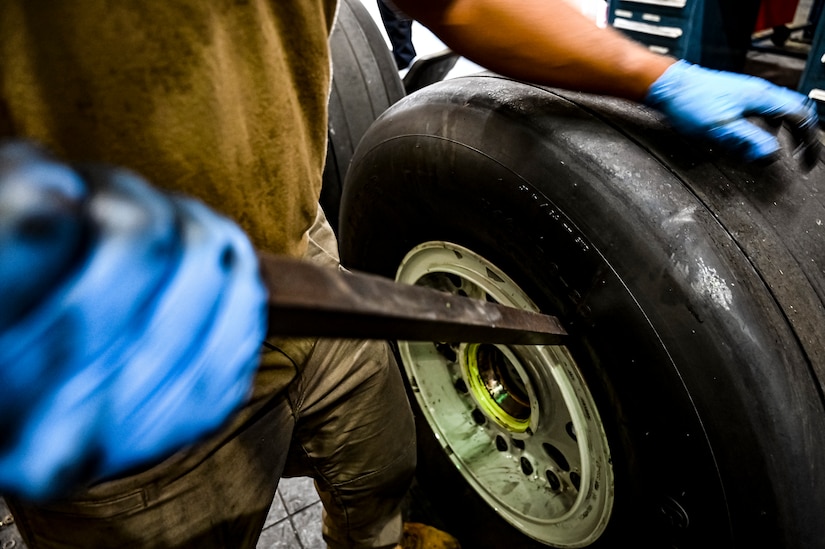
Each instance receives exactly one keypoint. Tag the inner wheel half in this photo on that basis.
(518, 422)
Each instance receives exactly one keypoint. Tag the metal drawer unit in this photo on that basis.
(672, 27)
(713, 33)
(812, 82)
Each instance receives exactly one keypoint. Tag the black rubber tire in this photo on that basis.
(692, 289)
(365, 82)
(429, 69)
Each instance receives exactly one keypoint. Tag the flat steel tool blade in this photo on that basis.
(306, 299)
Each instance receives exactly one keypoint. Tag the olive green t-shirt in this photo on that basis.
(223, 100)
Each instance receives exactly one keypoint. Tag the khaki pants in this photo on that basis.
(344, 420)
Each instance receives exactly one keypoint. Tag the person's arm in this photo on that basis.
(550, 42)
(547, 42)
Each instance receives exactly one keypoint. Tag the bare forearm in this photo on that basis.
(542, 41)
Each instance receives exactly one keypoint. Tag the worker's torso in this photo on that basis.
(222, 100)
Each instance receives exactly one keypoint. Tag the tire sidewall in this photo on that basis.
(604, 237)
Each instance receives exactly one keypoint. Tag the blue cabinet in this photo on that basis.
(813, 77)
(671, 27)
(713, 33)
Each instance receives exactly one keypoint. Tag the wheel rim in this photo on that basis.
(518, 422)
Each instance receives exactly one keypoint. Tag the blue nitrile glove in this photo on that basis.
(145, 339)
(714, 105)
(40, 227)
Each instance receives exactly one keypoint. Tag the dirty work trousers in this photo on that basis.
(399, 31)
(344, 420)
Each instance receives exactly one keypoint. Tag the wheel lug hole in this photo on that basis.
(478, 416)
(445, 350)
(553, 480)
(518, 443)
(556, 455)
(501, 444)
(526, 466)
(575, 479)
(460, 386)
(528, 431)
(571, 431)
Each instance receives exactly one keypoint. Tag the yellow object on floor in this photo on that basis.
(421, 536)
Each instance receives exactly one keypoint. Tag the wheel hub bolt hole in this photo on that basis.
(553, 480)
(518, 443)
(575, 479)
(556, 455)
(571, 431)
(478, 417)
(526, 466)
(501, 444)
(461, 386)
(446, 350)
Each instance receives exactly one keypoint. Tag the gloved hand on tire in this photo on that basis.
(715, 105)
(130, 325)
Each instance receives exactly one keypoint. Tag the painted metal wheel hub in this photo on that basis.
(518, 422)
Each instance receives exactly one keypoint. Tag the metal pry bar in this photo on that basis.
(309, 300)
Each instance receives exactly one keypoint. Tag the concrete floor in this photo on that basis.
(294, 520)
